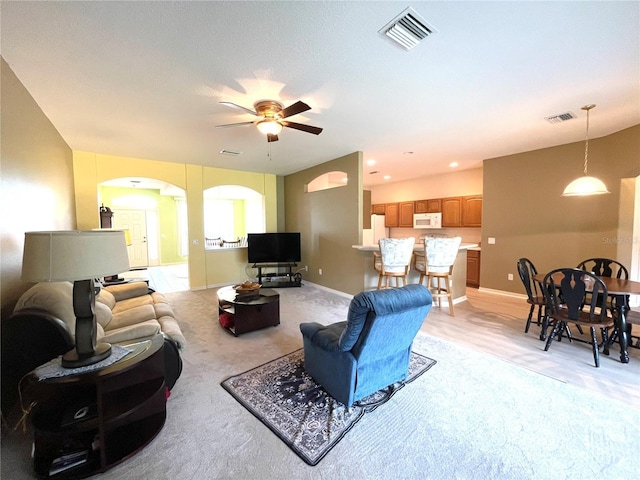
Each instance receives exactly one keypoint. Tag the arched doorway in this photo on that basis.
(155, 213)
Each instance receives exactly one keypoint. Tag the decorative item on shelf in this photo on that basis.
(247, 291)
(585, 185)
(78, 256)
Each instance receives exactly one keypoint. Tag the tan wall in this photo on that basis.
(330, 222)
(36, 186)
(456, 183)
(524, 211)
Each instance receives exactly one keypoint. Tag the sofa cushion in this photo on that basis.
(103, 314)
(107, 298)
(132, 332)
(131, 303)
(54, 297)
(128, 290)
(131, 316)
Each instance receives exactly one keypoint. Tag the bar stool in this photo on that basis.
(393, 260)
(436, 264)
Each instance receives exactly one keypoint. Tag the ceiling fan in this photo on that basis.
(271, 117)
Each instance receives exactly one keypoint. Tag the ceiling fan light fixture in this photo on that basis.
(269, 126)
(585, 185)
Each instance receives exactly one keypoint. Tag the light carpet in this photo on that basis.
(283, 396)
(474, 416)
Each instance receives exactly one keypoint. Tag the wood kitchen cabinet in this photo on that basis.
(378, 209)
(472, 211)
(473, 268)
(433, 205)
(452, 212)
(405, 214)
(391, 215)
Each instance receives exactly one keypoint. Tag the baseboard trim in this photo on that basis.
(503, 293)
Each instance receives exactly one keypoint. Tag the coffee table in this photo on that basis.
(252, 314)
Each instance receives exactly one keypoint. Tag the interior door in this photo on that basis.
(136, 222)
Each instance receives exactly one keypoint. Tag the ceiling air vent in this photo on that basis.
(229, 152)
(561, 117)
(408, 29)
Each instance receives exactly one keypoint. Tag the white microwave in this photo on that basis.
(427, 220)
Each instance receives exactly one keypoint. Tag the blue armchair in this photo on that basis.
(371, 349)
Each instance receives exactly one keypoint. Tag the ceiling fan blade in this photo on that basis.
(304, 128)
(271, 137)
(294, 109)
(235, 105)
(234, 124)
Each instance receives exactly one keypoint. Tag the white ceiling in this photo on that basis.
(144, 79)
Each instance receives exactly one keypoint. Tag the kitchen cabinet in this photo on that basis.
(433, 205)
(391, 215)
(378, 209)
(452, 212)
(472, 211)
(405, 214)
(473, 268)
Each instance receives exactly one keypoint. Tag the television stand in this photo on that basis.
(278, 279)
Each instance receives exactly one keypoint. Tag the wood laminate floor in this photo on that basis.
(494, 324)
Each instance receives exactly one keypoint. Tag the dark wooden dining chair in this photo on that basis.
(535, 295)
(580, 291)
(632, 317)
(605, 267)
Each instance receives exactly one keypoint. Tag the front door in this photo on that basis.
(136, 222)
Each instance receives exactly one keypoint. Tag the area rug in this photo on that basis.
(298, 410)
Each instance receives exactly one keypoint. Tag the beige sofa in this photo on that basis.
(123, 312)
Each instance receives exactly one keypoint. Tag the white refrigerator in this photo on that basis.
(370, 236)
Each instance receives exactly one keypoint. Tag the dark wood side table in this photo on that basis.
(87, 423)
(249, 315)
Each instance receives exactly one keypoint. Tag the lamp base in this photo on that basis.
(71, 359)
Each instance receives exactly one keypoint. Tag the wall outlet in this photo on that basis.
(510, 276)
(306, 268)
(319, 271)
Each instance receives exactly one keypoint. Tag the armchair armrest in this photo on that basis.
(324, 337)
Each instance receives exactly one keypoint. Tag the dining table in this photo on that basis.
(620, 289)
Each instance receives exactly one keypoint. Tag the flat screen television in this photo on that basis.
(273, 247)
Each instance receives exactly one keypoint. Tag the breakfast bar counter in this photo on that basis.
(459, 277)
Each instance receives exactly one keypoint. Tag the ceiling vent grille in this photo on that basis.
(408, 29)
(229, 152)
(561, 117)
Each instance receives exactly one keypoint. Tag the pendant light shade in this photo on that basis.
(585, 185)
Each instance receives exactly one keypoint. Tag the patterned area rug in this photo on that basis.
(288, 401)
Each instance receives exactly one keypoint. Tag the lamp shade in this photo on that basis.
(584, 186)
(68, 255)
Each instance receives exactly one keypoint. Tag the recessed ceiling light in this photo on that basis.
(344, 179)
(371, 162)
(453, 164)
(387, 177)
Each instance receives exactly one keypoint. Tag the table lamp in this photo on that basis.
(113, 279)
(78, 256)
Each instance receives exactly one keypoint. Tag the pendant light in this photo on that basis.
(585, 185)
